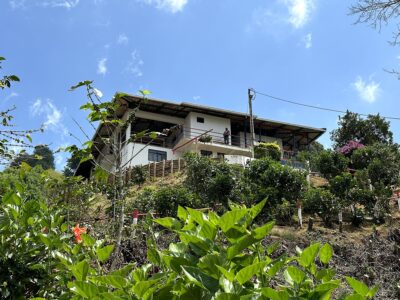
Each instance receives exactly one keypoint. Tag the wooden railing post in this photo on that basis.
(155, 170)
(172, 166)
(163, 168)
(179, 164)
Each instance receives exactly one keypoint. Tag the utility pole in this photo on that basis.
(250, 93)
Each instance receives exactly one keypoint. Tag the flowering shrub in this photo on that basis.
(350, 147)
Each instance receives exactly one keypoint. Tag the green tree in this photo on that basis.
(380, 161)
(368, 131)
(310, 155)
(71, 166)
(42, 156)
(268, 179)
(331, 163)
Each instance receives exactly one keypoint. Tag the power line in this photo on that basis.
(314, 106)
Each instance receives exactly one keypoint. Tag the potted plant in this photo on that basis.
(205, 138)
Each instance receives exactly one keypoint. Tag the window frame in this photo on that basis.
(200, 120)
(154, 153)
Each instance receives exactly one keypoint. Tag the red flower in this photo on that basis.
(77, 232)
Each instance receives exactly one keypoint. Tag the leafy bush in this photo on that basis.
(268, 179)
(214, 182)
(139, 175)
(216, 258)
(341, 186)
(29, 233)
(271, 150)
(323, 203)
(164, 200)
(330, 163)
(380, 161)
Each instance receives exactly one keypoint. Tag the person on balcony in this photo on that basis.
(227, 133)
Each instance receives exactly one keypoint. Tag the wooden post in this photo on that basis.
(149, 170)
(172, 166)
(163, 168)
(179, 164)
(299, 213)
(155, 170)
(310, 224)
(340, 221)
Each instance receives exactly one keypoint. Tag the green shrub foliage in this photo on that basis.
(331, 163)
(214, 182)
(268, 179)
(139, 175)
(213, 257)
(271, 150)
(165, 200)
(323, 203)
(380, 161)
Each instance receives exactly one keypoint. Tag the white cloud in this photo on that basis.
(68, 4)
(102, 67)
(368, 92)
(122, 39)
(15, 4)
(53, 116)
(196, 98)
(135, 64)
(307, 40)
(296, 13)
(12, 95)
(299, 11)
(172, 6)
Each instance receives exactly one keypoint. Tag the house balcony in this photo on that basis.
(210, 141)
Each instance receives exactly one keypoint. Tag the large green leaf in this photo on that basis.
(168, 222)
(248, 272)
(240, 245)
(196, 276)
(112, 280)
(189, 237)
(182, 213)
(358, 286)
(142, 287)
(196, 215)
(325, 253)
(260, 232)
(80, 270)
(230, 218)
(273, 294)
(227, 296)
(308, 255)
(294, 274)
(84, 289)
(104, 253)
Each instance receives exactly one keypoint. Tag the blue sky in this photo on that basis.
(202, 51)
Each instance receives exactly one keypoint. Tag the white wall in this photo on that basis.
(210, 122)
(159, 117)
(141, 153)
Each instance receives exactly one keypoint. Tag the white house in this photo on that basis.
(184, 126)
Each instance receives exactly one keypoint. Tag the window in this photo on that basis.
(156, 155)
(200, 120)
(206, 153)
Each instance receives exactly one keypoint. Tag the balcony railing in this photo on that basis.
(216, 137)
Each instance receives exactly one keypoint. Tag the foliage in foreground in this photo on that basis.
(215, 257)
